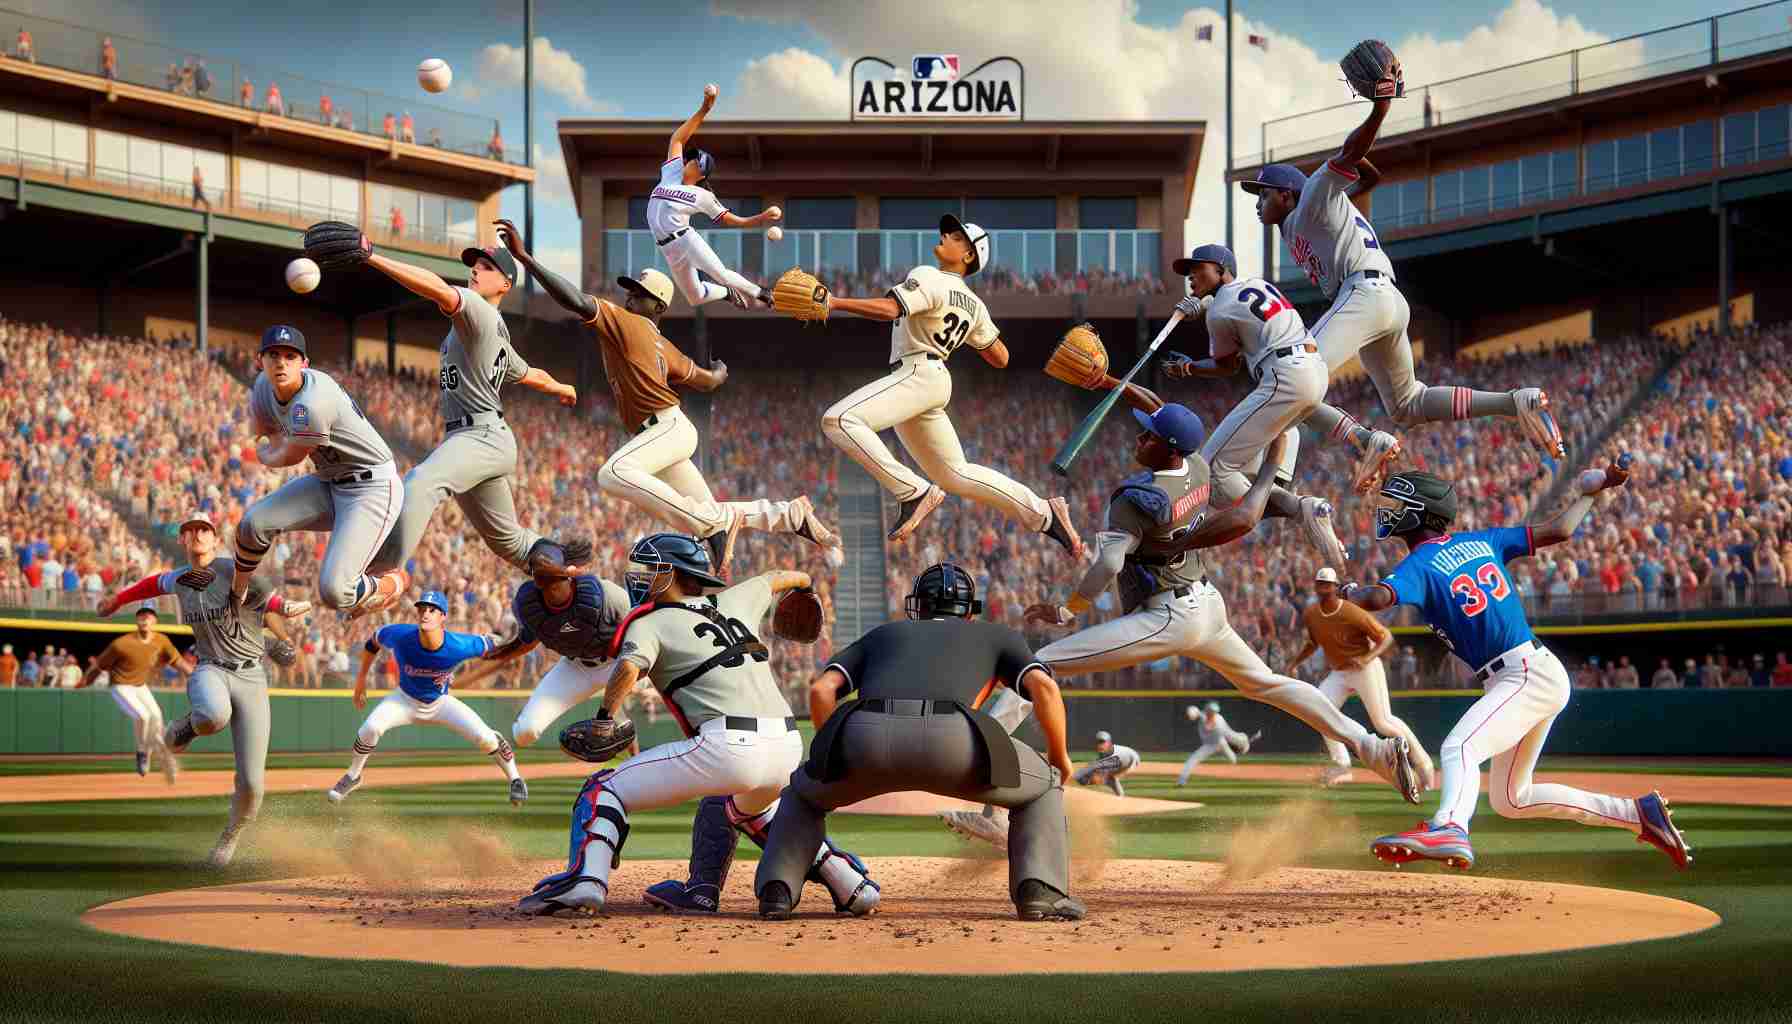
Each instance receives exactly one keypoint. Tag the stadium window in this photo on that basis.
(827, 212)
(314, 194)
(1664, 153)
(1602, 165)
(1412, 202)
(283, 188)
(251, 183)
(36, 138)
(1504, 176)
(1695, 148)
(637, 213)
(111, 157)
(1770, 132)
(1447, 195)
(1092, 250)
(1563, 175)
(917, 213)
(1098, 213)
(345, 198)
(1016, 213)
(616, 255)
(69, 144)
(9, 133)
(1475, 189)
(1533, 179)
(463, 222)
(1739, 138)
(1633, 161)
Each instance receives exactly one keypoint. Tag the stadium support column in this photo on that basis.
(203, 313)
(391, 342)
(1725, 271)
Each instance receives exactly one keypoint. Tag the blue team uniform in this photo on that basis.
(425, 674)
(1459, 583)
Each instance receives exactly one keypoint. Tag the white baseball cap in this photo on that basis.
(649, 282)
(978, 238)
(1326, 575)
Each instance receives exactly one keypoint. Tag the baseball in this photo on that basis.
(711, 91)
(434, 75)
(302, 275)
(1192, 712)
(774, 233)
(775, 212)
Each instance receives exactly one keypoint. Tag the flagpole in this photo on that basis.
(1225, 184)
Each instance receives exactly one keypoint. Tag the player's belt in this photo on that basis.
(742, 724)
(909, 708)
(232, 666)
(354, 478)
(473, 420)
(588, 662)
(1499, 664)
(651, 421)
(897, 365)
(673, 237)
(1281, 353)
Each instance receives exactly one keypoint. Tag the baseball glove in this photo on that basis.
(283, 652)
(1373, 71)
(333, 245)
(799, 616)
(799, 294)
(1080, 358)
(598, 739)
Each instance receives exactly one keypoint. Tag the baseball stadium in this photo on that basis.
(406, 614)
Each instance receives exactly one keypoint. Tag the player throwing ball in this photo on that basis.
(1217, 737)
(1458, 581)
(427, 654)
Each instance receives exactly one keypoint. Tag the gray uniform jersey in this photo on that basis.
(1212, 730)
(323, 417)
(1327, 236)
(1126, 757)
(1252, 317)
(1150, 513)
(222, 629)
(477, 360)
(671, 641)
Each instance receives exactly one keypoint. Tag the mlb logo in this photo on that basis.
(301, 416)
(936, 67)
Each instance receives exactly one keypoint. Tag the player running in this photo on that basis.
(934, 312)
(684, 189)
(130, 663)
(1157, 523)
(1217, 737)
(1458, 581)
(427, 654)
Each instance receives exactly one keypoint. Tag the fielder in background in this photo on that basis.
(1354, 643)
(1217, 737)
(1111, 762)
(427, 655)
(1458, 582)
(131, 662)
(653, 471)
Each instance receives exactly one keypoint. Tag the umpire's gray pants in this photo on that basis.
(357, 514)
(472, 465)
(220, 698)
(937, 754)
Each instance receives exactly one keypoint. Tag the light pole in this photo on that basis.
(528, 140)
(1225, 186)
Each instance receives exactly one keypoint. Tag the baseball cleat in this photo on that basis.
(1658, 829)
(1335, 776)
(1036, 901)
(1375, 461)
(972, 825)
(810, 528)
(916, 509)
(1316, 520)
(1059, 529)
(390, 585)
(1254, 737)
(721, 546)
(142, 764)
(571, 894)
(225, 849)
(1447, 843)
(165, 758)
(343, 787)
(1539, 425)
(775, 903)
(682, 898)
(740, 298)
(519, 792)
(1396, 766)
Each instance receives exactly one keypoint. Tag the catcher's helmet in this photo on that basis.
(1412, 500)
(655, 558)
(943, 591)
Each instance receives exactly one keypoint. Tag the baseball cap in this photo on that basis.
(1176, 424)
(1326, 575)
(979, 240)
(1286, 176)
(1104, 737)
(197, 518)
(648, 282)
(1211, 253)
(706, 163)
(284, 336)
(434, 599)
(148, 609)
(1213, 705)
(499, 255)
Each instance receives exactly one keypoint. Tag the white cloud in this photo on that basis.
(551, 182)
(556, 71)
(792, 84)
(561, 259)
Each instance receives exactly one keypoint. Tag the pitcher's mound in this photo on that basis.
(939, 916)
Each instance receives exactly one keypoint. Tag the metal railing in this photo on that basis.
(190, 73)
(1676, 48)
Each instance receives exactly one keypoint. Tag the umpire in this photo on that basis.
(915, 727)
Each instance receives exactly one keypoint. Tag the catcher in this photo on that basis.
(741, 741)
(933, 313)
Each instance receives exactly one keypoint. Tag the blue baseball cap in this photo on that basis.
(1285, 176)
(1212, 253)
(283, 336)
(435, 599)
(1176, 424)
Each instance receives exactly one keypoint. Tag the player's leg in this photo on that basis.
(1371, 685)
(1287, 392)
(395, 709)
(487, 501)
(152, 720)
(1355, 318)
(303, 503)
(428, 484)
(852, 423)
(1509, 783)
(1142, 635)
(931, 439)
(1336, 688)
(126, 697)
(1514, 701)
(365, 514)
(704, 258)
(635, 474)
(1202, 753)
(452, 712)
(683, 271)
(761, 514)
(251, 721)
(565, 685)
(845, 875)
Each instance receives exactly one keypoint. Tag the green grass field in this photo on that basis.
(59, 859)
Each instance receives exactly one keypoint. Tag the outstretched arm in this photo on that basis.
(424, 283)
(558, 288)
(769, 215)
(883, 308)
(142, 590)
(1357, 143)
(1227, 525)
(538, 379)
(1562, 527)
(675, 148)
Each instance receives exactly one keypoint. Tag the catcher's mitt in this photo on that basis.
(799, 294)
(1080, 358)
(283, 652)
(597, 739)
(332, 245)
(1373, 71)
(799, 616)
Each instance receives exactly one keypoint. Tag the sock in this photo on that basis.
(1450, 403)
(506, 758)
(1348, 430)
(713, 292)
(363, 751)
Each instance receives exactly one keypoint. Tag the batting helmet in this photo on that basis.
(654, 560)
(1413, 500)
(706, 164)
(943, 591)
(1218, 255)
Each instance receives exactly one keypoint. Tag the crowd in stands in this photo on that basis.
(994, 281)
(1715, 672)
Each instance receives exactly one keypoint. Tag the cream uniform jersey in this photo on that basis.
(1328, 236)
(672, 202)
(706, 660)
(1251, 317)
(939, 313)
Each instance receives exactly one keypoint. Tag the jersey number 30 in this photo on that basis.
(1488, 581)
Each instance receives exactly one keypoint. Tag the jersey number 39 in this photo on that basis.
(1488, 581)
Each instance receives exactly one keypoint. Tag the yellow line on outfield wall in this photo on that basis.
(88, 627)
(1198, 694)
(1633, 627)
(372, 693)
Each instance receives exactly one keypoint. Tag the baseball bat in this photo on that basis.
(1079, 438)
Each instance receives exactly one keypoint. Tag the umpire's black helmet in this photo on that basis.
(655, 558)
(943, 591)
(1411, 500)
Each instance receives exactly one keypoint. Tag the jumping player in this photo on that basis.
(933, 313)
(1334, 243)
(131, 661)
(654, 471)
(684, 189)
(427, 655)
(1217, 737)
(1459, 583)
(1157, 522)
(1112, 762)
(742, 743)
(1251, 326)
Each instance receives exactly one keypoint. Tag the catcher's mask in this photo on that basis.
(655, 559)
(1411, 500)
(943, 591)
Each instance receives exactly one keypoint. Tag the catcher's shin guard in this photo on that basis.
(713, 840)
(597, 816)
(847, 878)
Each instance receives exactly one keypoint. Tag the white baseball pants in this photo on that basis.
(1288, 390)
(1231, 743)
(139, 705)
(1368, 318)
(689, 253)
(1370, 684)
(568, 683)
(654, 472)
(912, 399)
(1510, 724)
(399, 709)
(750, 765)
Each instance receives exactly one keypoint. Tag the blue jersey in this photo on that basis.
(425, 674)
(1458, 581)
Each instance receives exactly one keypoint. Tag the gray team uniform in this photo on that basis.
(1107, 769)
(477, 456)
(1218, 737)
(1252, 318)
(353, 491)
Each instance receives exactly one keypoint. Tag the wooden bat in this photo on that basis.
(1073, 446)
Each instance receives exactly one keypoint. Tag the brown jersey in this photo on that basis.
(1344, 635)
(130, 660)
(641, 365)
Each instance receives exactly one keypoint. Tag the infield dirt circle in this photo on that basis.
(938, 916)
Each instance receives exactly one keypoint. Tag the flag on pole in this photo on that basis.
(1204, 33)
(1260, 42)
